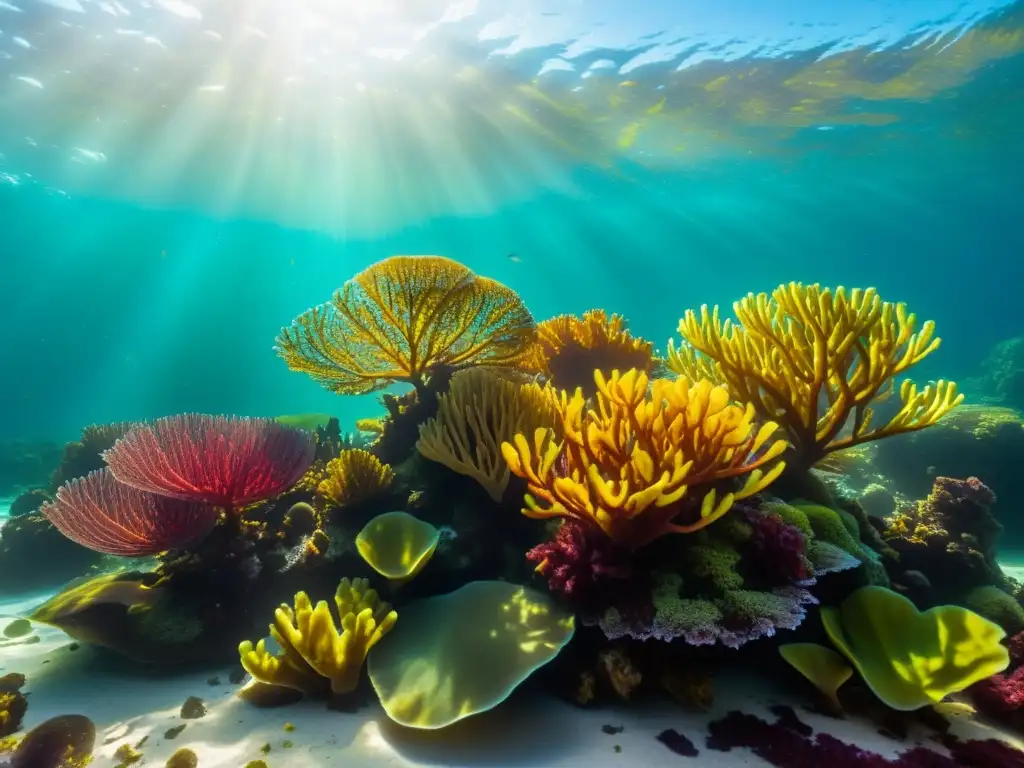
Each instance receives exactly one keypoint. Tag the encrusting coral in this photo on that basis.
(315, 657)
(399, 319)
(950, 537)
(354, 476)
(569, 349)
(480, 411)
(816, 361)
(627, 460)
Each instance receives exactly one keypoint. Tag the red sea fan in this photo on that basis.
(221, 460)
(104, 515)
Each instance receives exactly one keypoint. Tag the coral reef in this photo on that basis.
(315, 657)
(950, 537)
(480, 411)
(626, 462)
(223, 461)
(817, 361)
(104, 515)
(401, 317)
(569, 349)
(1003, 377)
(34, 554)
(65, 741)
(353, 477)
(974, 440)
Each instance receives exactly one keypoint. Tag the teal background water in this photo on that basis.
(146, 269)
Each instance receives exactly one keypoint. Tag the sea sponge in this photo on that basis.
(909, 658)
(629, 457)
(825, 668)
(402, 317)
(315, 657)
(480, 411)
(821, 359)
(353, 477)
(835, 527)
(455, 655)
(397, 545)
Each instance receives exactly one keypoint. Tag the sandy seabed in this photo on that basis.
(532, 729)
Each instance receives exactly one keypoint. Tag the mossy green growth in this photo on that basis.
(715, 562)
(911, 659)
(997, 606)
(839, 529)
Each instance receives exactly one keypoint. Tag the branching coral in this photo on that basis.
(569, 349)
(816, 360)
(225, 461)
(401, 317)
(480, 411)
(313, 651)
(106, 516)
(353, 477)
(627, 460)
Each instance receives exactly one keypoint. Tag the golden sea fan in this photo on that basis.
(401, 318)
(106, 516)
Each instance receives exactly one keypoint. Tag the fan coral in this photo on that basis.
(569, 349)
(950, 536)
(314, 656)
(816, 361)
(627, 460)
(400, 318)
(106, 516)
(353, 477)
(225, 461)
(480, 411)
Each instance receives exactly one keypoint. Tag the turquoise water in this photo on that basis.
(178, 180)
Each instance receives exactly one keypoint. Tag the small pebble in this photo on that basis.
(183, 758)
(213, 680)
(617, 748)
(172, 733)
(611, 730)
(289, 727)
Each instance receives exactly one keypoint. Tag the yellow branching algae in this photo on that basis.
(629, 457)
(459, 654)
(910, 658)
(397, 545)
(354, 476)
(815, 360)
(315, 657)
(480, 411)
(399, 319)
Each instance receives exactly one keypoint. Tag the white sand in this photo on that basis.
(526, 731)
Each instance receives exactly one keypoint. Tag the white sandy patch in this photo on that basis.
(530, 730)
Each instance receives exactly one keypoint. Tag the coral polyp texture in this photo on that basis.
(226, 461)
(316, 658)
(569, 349)
(402, 317)
(627, 460)
(480, 411)
(354, 476)
(107, 516)
(816, 360)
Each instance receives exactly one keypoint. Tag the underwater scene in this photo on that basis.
(514, 384)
